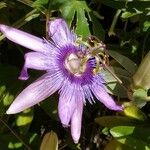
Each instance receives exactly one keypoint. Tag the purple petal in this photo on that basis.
(88, 93)
(101, 94)
(35, 93)
(59, 32)
(66, 105)
(25, 39)
(35, 60)
(76, 120)
(24, 74)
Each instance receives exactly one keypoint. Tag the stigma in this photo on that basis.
(75, 64)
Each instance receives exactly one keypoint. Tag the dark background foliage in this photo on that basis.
(124, 26)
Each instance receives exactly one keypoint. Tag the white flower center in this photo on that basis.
(74, 65)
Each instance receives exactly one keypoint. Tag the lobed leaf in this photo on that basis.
(69, 9)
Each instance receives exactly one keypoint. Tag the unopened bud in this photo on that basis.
(50, 141)
(141, 78)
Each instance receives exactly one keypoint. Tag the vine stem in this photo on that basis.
(22, 21)
(111, 30)
(16, 135)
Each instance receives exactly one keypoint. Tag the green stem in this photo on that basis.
(26, 2)
(111, 30)
(28, 17)
(112, 73)
(48, 15)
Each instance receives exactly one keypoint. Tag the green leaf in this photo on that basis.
(141, 79)
(137, 137)
(111, 121)
(113, 87)
(50, 141)
(27, 18)
(69, 8)
(134, 143)
(134, 112)
(33, 139)
(9, 141)
(127, 14)
(9, 86)
(140, 98)
(82, 28)
(24, 119)
(116, 89)
(115, 145)
(140, 95)
(68, 12)
(40, 3)
(128, 64)
(114, 4)
(118, 71)
(22, 21)
(120, 4)
(98, 30)
(108, 76)
(121, 131)
(2, 5)
(146, 26)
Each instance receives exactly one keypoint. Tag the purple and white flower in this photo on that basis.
(64, 72)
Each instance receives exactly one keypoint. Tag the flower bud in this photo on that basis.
(50, 141)
(141, 79)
